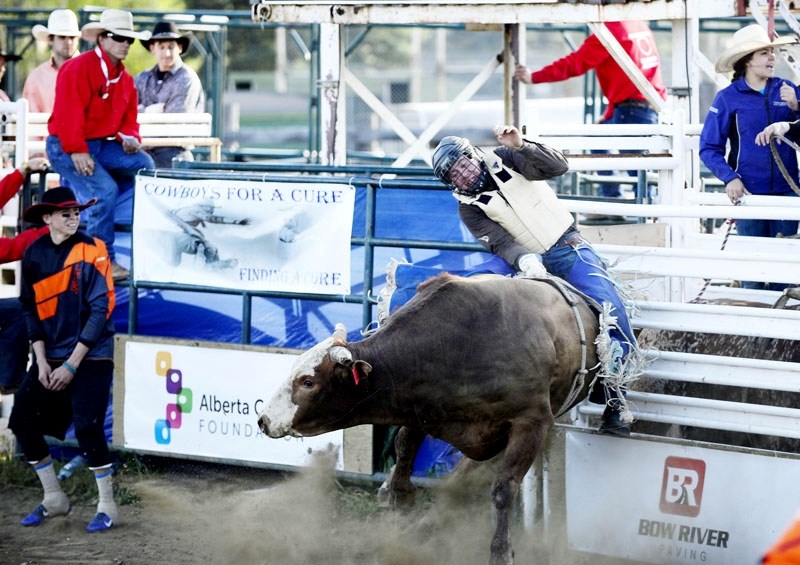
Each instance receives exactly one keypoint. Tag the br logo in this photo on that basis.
(173, 381)
(682, 486)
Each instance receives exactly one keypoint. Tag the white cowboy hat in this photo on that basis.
(118, 22)
(747, 40)
(60, 22)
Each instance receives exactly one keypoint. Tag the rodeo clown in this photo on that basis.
(505, 203)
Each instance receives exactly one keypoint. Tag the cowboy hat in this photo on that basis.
(748, 39)
(118, 22)
(166, 31)
(59, 198)
(60, 22)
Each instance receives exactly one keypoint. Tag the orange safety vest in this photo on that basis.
(786, 550)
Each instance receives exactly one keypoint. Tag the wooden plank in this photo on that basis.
(156, 130)
(650, 235)
(482, 12)
(175, 118)
(357, 450)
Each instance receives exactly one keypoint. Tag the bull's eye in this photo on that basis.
(308, 383)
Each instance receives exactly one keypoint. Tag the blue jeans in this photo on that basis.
(625, 114)
(13, 344)
(766, 228)
(112, 181)
(581, 267)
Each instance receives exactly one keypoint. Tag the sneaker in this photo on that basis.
(118, 272)
(100, 523)
(613, 424)
(39, 515)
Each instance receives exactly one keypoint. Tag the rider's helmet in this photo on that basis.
(472, 178)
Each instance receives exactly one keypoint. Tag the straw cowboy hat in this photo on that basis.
(59, 198)
(60, 22)
(118, 22)
(747, 40)
(166, 31)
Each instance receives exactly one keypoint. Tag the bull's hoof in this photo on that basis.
(503, 557)
(402, 500)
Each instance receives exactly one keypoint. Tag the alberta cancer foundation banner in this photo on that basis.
(197, 401)
(243, 235)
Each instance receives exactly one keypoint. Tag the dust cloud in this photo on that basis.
(297, 519)
(192, 513)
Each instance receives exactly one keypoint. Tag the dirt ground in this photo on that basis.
(203, 513)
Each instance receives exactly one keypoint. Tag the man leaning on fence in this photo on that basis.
(94, 140)
(169, 86)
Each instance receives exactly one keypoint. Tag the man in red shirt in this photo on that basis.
(626, 105)
(94, 140)
(13, 337)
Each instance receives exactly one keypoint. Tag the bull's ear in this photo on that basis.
(361, 370)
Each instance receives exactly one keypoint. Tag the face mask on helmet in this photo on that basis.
(457, 165)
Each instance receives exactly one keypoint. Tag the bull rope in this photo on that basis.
(706, 282)
(775, 155)
(579, 380)
(625, 373)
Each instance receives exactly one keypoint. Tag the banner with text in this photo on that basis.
(243, 235)
(669, 503)
(205, 401)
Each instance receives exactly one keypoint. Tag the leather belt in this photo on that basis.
(635, 103)
(570, 238)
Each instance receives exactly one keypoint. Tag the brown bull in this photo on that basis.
(483, 363)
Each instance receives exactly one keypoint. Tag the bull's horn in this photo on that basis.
(340, 333)
(341, 354)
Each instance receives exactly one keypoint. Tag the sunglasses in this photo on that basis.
(121, 39)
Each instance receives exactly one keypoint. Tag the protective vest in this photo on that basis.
(528, 210)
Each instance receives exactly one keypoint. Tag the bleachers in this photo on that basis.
(157, 130)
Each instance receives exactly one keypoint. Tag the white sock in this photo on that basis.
(55, 501)
(105, 488)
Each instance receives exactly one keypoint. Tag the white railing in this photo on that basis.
(668, 272)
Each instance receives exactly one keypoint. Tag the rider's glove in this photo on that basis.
(531, 265)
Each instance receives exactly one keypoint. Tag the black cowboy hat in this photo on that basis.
(59, 198)
(165, 31)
